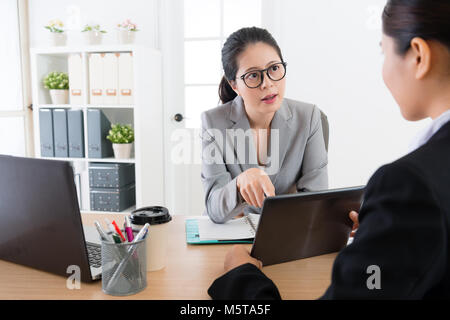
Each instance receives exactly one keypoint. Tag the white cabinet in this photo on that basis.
(135, 74)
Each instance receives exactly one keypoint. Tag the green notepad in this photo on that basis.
(193, 235)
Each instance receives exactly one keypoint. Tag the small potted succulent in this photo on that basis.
(122, 137)
(57, 34)
(58, 84)
(126, 31)
(93, 34)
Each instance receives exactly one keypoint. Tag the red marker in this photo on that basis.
(118, 231)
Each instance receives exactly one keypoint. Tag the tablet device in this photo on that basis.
(305, 224)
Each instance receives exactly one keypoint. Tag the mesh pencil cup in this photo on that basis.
(124, 269)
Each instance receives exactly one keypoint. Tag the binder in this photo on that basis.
(110, 79)
(60, 133)
(126, 87)
(75, 129)
(75, 67)
(96, 93)
(201, 230)
(98, 129)
(46, 132)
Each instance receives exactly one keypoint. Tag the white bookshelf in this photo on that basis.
(145, 115)
(84, 107)
(106, 160)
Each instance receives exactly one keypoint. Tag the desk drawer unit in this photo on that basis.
(111, 175)
(110, 199)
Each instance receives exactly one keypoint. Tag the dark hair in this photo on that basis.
(236, 43)
(404, 20)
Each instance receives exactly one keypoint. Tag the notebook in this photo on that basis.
(201, 230)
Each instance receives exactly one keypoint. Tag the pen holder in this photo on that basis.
(124, 270)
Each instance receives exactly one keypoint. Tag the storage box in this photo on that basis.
(110, 199)
(75, 66)
(126, 85)
(110, 79)
(96, 93)
(111, 175)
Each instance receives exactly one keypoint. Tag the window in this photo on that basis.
(207, 24)
(14, 116)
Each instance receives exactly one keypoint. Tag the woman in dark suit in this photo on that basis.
(404, 228)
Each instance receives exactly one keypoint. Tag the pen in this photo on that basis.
(128, 229)
(116, 238)
(142, 233)
(114, 235)
(102, 233)
(118, 231)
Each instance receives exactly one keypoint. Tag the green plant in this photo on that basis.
(55, 26)
(93, 28)
(57, 80)
(121, 133)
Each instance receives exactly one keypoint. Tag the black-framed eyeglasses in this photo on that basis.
(253, 79)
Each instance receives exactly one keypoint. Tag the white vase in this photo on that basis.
(57, 38)
(125, 36)
(59, 96)
(93, 37)
(122, 150)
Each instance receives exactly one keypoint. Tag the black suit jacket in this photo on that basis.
(403, 231)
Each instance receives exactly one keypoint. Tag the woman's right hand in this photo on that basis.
(253, 184)
(354, 216)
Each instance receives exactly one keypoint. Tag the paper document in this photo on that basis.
(240, 228)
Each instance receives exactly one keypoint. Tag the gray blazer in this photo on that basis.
(298, 159)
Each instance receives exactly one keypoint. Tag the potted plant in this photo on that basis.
(122, 137)
(57, 34)
(93, 34)
(58, 84)
(126, 32)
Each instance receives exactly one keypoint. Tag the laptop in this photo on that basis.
(305, 224)
(40, 221)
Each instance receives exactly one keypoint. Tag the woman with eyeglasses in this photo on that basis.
(258, 143)
(401, 249)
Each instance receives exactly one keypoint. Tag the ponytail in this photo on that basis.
(226, 93)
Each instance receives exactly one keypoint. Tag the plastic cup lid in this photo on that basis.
(152, 215)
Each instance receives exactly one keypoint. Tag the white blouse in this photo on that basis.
(423, 136)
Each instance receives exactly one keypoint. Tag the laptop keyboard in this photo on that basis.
(95, 255)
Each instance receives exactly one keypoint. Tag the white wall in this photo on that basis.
(107, 13)
(334, 61)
